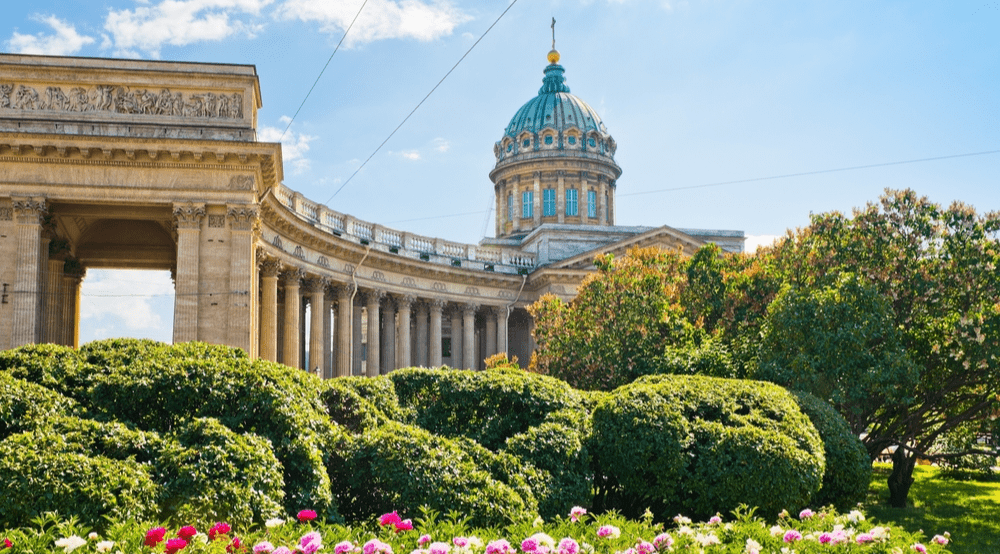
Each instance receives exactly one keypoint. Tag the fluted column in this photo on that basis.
(270, 268)
(242, 327)
(316, 288)
(469, 335)
(388, 337)
(187, 218)
(330, 354)
(74, 273)
(373, 302)
(456, 339)
(422, 310)
(403, 304)
(502, 332)
(491, 332)
(28, 215)
(434, 354)
(357, 339)
(293, 302)
(344, 326)
(54, 294)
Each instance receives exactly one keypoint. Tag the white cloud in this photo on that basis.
(294, 146)
(441, 145)
(179, 22)
(380, 19)
(126, 303)
(65, 41)
(410, 154)
(753, 242)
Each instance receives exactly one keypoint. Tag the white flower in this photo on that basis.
(777, 530)
(753, 547)
(685, 530)
(855, 516)
(92, 536)
(682, 520)
(71, 543)
(105, 546)
(538, 522)
(475, 543)
(202, 538)
(273, 522)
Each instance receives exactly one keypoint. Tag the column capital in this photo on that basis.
(243, 217)
(292, 276)
(404, 300)
(343, 290)
(189, 215)
(29, 210)
(436, 304)
(373, 296)
(498, 310)
(470, 308)
(270, 267)
(314, 284)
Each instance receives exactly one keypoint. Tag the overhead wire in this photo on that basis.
(405, 119)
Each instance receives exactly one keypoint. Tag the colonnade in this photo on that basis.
(354, 330)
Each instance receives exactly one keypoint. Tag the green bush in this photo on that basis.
(402, 467)
(209, 473)
(700, 445)
(34, 480)
(350, 409)
(113, 440)
(59, 368)
(24, 405)
(848, 467)
(381, 392)
(486, 406)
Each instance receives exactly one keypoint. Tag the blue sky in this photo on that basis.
(695, 92)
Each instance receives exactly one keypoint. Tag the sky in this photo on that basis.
(728, 114)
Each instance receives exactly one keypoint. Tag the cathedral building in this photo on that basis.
(155, 165)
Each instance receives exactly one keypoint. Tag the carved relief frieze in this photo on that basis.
(216, 221)
(378, 276)
(409, 282)
(6, 214)
(241, 182)
(439, 286)
(298, 253)
(277, 242)
(472, 291)
(323, 261)
(122, 100)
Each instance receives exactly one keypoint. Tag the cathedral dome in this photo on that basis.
(554, 122)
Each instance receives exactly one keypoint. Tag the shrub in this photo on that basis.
(34, 480)
(848, 467)
(350, 409)
(59, 368)
(486, 406)
(112, 440)
(701, 445)
(401, 467)
(381, 392)
(24, 405)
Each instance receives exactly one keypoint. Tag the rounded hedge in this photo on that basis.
(25, 405)
(701, 445)
(848, 467)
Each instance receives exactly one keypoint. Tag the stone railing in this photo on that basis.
(428, 249)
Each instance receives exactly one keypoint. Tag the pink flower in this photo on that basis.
(919, 548)
(862, 538)
(609, 531)
(282, 550)
(825, 538)
(263, 548)
(306, 516)
(806, 514)
(576, 513)
(154, 536)
(460, 541)
(792, 535)
(644, 547)
(439, 548)
(235, 545)
(7, 544)
(714, 520)
(663, 540)
(187, 532)
(529, 545)
(220, 528)
(499, 546)
(310, 542)
(568, 546)
(424, 539)
(376, 546)
(940, 540)
(405, 525)
(343, 547)
(175, 545)
(391, 518)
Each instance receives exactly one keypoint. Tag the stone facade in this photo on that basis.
(155, 165)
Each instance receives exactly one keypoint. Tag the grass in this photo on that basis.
(969, 510)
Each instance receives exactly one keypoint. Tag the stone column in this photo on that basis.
(560, 197)
(515, 186)
(316, 288)
(280, 324)
(55, 296)
(74, 273)
(491, 332)
(602, 203)
(422, 315)
(329, 353)
(357, 339)
(68, 313)
(187, 218)
(344, 326)
(403, 304)
(434, 355)
(372, 305)
(242, 327)
(469, 335)
(536, 209)
(270, 268)
(456, 339)
(502, 333)
(291, 279)
(388, 338)
(29, 214)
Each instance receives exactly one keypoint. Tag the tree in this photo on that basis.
(618, 327)
(937, 270)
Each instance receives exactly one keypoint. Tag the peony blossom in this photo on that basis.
(682, 520)
(806, 514)
(917, 547)
(375, 546)
(71, 543)
(187, 532)
(439, 548)
(92, 536)
(715, 519)
(154, 536)
(105, 546)
(609, 532)
(391, 518)
(752, 547)
(306, 516)
(220, 528)
(424, 539)
(310, 542)
(282, 550)
(235, 545)
(405, 525)
(855, 516)
(274, 522)
(175, 545)
(576, 513)
(460, 542)
(862, 538)
(263, 547)
(940, 540)
(500, 546)
(643, 547)
(662, 541)
(568, 546)
(792, 535)
(343, 547)
(6, 544)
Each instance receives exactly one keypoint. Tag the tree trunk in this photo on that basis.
(901, 477)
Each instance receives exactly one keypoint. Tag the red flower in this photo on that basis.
(7, 544)
(391, 518)
(187, 533)
(404, 525)
(307, 516)
(235, 546)
(155, 536)
(220, 528)
(173, 545)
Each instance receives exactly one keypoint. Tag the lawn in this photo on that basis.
(969, 510)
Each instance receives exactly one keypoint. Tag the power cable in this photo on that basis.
(405, 119)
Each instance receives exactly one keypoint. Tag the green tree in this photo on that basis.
(936, 268)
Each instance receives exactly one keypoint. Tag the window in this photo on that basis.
(527, 202)
(549, 202)
(592, 143)
(548, 139)
(571, 207)
(591, 203)
(526, 143)
(510, 207)
(510, 146)
(572, 139)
